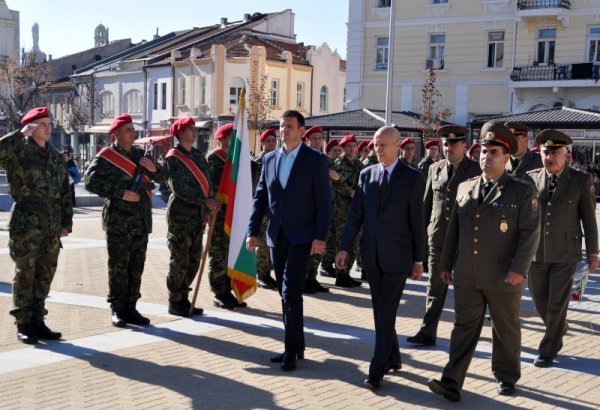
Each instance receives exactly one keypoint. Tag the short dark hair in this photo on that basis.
(294, 114)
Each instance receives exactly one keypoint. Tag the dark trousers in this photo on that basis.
(469, 306)
(126, 258)
(550, 287)
(436, 295)
(386, 291)
(289, 262)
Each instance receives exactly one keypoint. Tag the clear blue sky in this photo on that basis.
(67, 26)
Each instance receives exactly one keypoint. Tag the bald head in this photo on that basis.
(387, 144)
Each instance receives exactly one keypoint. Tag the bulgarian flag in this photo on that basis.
(235, 191)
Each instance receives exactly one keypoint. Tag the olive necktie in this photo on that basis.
(485, 189)
(552, 186)
(450, 171)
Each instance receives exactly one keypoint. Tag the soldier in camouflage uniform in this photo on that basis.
(42, 213)
(220, 283)
(408, 152)
(313, 137)
(189, 204)
(333, 152)
(348, 167)
(268, 140)
(126, 216)
(433, 154)
(372, 157)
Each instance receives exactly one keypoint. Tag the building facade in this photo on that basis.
(491, 56)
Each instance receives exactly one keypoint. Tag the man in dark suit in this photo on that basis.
(388, 205)
(492, 237)
(568, 203)
(523, 160)
(294, 189)
(440, 194)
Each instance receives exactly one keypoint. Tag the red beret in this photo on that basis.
(371, 144)
(535, 149)
(266, 133)
(347, 138)
(119, 121)
(473, 148)
(312, 130)
(405, 141)
(330, 145)
(432, 142)
(362, 144)
(224, 131)
(181, 124)
(35, 114)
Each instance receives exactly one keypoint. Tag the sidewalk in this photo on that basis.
(221, 360)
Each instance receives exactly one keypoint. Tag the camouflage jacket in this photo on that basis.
(38, 181)
(348, 171)
(216, 163)
(370, 160)
(256, 169)
(187, 197)
(110, 182)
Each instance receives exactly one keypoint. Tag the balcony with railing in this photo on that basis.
(543, 4)
(556, 72)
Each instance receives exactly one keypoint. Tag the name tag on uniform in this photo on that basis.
(499, 205)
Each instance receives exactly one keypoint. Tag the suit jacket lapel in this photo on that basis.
(496, 191)
(393, 180)
(297, 163)
(563, 182)
(540, 184)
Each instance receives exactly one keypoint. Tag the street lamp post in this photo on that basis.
(390, 66)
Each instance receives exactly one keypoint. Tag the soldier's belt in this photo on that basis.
(35, 199)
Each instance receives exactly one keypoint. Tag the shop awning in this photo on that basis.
(165, 140)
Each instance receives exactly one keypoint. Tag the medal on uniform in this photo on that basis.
(503, 226)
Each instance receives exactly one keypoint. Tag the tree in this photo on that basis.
(432, 112)
(258, 104)
(21, 88)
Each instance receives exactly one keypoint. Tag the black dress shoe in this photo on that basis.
(543, 361)
(135, 318)
(266, 282)
(328, 270)
(311, 286)
(307, 288)
(449, 390)
(345, 281)
(26, 334)
(225, 302)
(288, 365)
(421, 340)
(118, 319)
(280, 357)
(371, 384)
(393, 368)
(506, 389)
(43, 332)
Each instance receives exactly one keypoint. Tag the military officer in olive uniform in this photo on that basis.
(348, 167)
(524, 160)
(439, 198)
(126, 216)
(220, 283)
(268, 141)
(190, 202)
(42, 213)
(568, 203)
(495, 223)
(432, 148)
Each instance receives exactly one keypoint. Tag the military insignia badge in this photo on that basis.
(535, 206)
(503, 226)
(549, 143)
(490, 136)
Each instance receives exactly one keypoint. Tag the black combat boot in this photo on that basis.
(26, 334)
(118, 318)
(135, 318)
(43, 332)
(225, 301)
(328, 270)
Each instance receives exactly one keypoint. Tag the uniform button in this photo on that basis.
(548, 223)
(549, 203)
(548, 214)
(476, 228)
(475, 240)
(475, 252)
(448, 190)
(547, 233)
(477, 215)
(447, 219)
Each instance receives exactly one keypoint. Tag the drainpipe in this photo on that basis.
(514, 55)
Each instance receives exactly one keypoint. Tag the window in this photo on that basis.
(594, 44)
(275, 92)
(155, 95)
(383, 3)
(163, 100)
(545, 45)
(495, 49)
(108, 104)
(323, 99)
(181, 91)
(437, 44)
(382, 50)
(133, 102)
(234, 95)
(300, 95)
(202, 94)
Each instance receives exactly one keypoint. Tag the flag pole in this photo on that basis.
(211, 228)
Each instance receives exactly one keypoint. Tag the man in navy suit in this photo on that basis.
(294, 189)
(388, 204)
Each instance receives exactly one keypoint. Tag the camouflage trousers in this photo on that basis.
(185, 244)
(219, 251)
(126, 258)
(263, 252)
(35, 254)
(338, 220)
